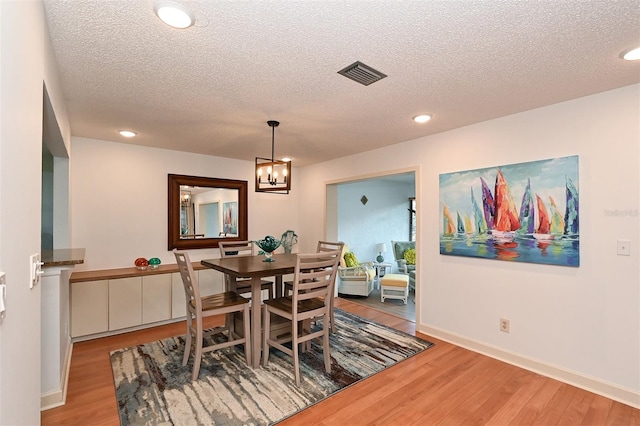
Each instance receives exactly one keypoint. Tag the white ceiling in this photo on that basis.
(211, 88)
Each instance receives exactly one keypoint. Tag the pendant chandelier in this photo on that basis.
(185, 198)
(273, 175)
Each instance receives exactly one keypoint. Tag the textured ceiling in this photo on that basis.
(211, 88)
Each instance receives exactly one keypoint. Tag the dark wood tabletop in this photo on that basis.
(253, 266)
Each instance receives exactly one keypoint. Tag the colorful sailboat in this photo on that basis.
(448, 228)
(468, 225)
(478, 218)
(460, 224)
(571, 225)
(557, 222)
(527, 212)
(543, 231)
(488, 204)
(506, 221)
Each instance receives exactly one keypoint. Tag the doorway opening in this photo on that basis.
(367, 214)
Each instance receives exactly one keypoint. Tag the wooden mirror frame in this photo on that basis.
(175, 242)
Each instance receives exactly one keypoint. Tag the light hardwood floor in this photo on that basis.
(392, 306)
(445, 385)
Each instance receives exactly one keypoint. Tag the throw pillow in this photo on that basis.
(351, 260)
(345, 250)
(410, 256)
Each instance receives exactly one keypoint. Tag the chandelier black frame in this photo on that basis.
(273, 175)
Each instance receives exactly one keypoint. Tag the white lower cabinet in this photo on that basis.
(125, 303)
(89, 307)
(101, 306)
(178, 307)
(156, 298)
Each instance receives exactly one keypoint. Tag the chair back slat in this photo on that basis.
(329, 246)
(315, 275)
(242, 249)
(237, 248)
(189, 281)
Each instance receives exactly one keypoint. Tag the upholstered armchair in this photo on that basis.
(356, 278)
(406, 261)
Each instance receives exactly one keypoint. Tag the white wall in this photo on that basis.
(581, 321)
(119, 201)
(26, 61)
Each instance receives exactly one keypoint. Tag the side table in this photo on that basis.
(381, 269)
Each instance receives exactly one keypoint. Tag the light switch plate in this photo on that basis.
(3, 294)
(35, 269)
(624, 248)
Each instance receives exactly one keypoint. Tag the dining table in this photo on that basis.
(255, 268)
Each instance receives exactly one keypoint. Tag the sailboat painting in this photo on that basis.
(524, 212)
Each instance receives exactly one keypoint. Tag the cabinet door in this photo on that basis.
(178, 308)
(89, 307)
(125, 302)
(156, 298)
(211, 282)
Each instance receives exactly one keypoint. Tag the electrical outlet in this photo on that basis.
(505, 325)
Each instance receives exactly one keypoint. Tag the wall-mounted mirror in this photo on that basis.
(204, 211)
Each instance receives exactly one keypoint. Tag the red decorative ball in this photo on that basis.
(141, 261)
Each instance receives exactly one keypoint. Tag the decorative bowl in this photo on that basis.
(154, 263)
(268, 245)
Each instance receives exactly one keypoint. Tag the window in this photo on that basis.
(412, 219)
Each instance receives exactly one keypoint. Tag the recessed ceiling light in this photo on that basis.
(422, 118)
(631, 55)
(286, 159)
(174, 14)
(127, 133)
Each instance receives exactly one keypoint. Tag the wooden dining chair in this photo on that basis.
(313, 280)
(198, 307)
(323, 246)
(243, 248)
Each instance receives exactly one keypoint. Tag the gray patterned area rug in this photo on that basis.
(153, 388)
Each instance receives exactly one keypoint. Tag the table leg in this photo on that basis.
(230, 283)
(279, 286)
(256, 321)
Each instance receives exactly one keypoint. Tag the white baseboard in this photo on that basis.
(125, 330)
(59, 397)
(51, 400)
(591, 384)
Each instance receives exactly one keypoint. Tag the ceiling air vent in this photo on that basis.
(362, 73)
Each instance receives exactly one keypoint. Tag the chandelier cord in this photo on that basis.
(273, 132)
(273, 124)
